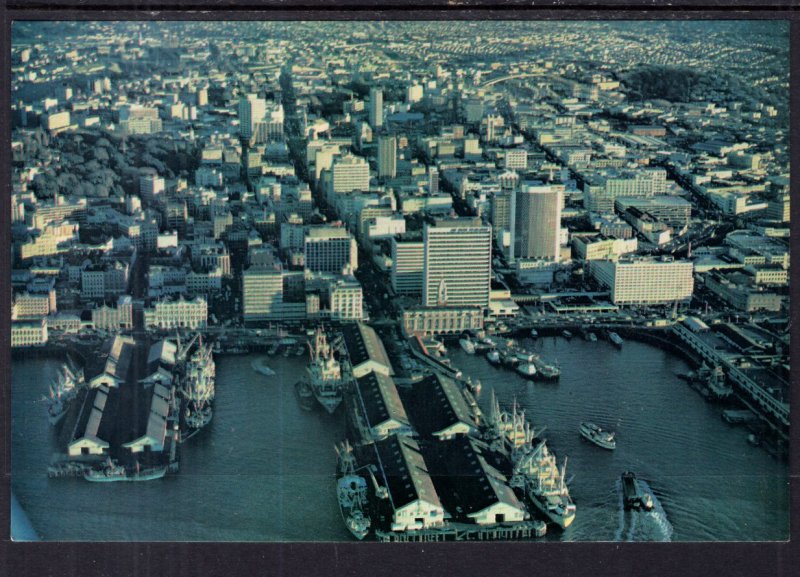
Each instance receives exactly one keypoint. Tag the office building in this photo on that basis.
(350, 173)
(671, 210)
(135, 119)
(375, 108)
(457, 263)
(645, 281)
(408, 259)
(251, 112)
(151, 186)
(387, 156)
(330, 249)
(537, 222)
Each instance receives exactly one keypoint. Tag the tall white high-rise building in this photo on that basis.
(537, 221)
(350, 173)
(457, 265)
(433, 180)
(407, 266)
(251, 112)
(375, 108)
(387, 156)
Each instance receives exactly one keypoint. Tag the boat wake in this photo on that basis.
(642, 525)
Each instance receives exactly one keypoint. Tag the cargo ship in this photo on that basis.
(351, 491)
(198, 380)
(324, 373)
(545, 485)
(62, 390)
(535, 471)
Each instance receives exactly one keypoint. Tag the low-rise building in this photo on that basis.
(28, 333)
(424, 321)
(181, 313)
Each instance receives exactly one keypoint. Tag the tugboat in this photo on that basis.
(527, 370)
(467, 344)
(598, 436)
(351, 490)
(325, 373)
(632, 494)
(305, 395)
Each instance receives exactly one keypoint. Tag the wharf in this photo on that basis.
(467, 532)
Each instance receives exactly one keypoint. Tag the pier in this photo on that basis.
(465, 532)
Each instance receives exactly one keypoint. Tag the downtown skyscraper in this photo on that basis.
(457, 265)
(537, 221)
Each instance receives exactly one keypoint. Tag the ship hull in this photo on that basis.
(562, 521)
(56, 419)
(328, 402)
(305, 397)
(587, 434)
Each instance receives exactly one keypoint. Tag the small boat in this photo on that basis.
(534, 334)
(473, 386)
(753, 439)
(305, 395)
(566, 334)
(598, 436)
(467, 344)
(273, 350)
(260, 367)
(548, 372)
(591, 337)
(527, 370)
(493, 357)
(634, 497)
(615, 338)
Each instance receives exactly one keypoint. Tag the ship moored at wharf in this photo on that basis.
(135, 399)
(435, 468)
(325, 378)
(63, 390)
(352, 493)
(197, 383)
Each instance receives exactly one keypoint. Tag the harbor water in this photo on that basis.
(264, 469)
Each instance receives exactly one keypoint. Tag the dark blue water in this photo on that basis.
(708, 481)
(263, 471)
